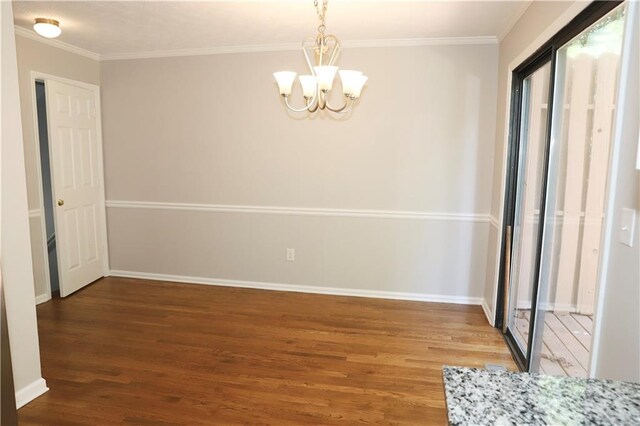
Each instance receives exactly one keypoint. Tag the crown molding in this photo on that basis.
(428, 41)
(515, 18)
(280, 47)
(200, 51)
(257, 48)
(26, 33)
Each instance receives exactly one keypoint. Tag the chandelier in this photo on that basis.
(317, 84)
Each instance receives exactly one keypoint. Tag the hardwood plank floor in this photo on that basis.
(145, 352)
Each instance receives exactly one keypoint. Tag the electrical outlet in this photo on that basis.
(291, 255)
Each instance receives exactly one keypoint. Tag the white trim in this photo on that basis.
(462, 300)
(33, 213)
(257, 48)
(488, 312)
(493, 221)
(30, 392)
(609, 234)
(26, 33)
(564, 19)
(525, 305)
(425, 41)
(281, 47)
(522, 9)
(43, 76)
(33, 77)
(103, 202)
(301, 211)
(42, 298)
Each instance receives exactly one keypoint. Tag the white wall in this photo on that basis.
(212, 130)
(41, 57)
(618, 336)
(15, 245)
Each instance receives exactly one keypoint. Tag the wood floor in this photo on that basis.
(566, 342)
(143, 352)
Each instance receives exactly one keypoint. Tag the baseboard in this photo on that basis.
(461, 300)
(31, 392)
(488, 312)
(42, 298)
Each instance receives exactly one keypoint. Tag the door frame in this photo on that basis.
(585, 17)
(541, 58)
(37, 76)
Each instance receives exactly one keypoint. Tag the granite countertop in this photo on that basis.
(481, 397)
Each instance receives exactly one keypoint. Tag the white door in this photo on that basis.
(77, 185)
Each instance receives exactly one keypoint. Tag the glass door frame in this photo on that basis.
(520, 74)
(547, 53)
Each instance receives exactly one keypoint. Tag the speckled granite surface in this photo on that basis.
(481, 397)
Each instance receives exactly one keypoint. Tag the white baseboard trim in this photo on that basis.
(377, 294)
(41, 298)
(30, 392)
(488, 312)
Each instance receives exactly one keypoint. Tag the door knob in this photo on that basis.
(60, 202)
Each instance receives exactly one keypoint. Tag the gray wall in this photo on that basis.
(212, 130)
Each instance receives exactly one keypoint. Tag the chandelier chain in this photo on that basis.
(322, 12)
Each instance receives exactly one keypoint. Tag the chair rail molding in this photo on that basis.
(304, 211)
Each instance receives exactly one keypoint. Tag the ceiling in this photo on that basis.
(129, 27)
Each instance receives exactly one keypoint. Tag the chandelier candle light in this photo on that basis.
(316, 86)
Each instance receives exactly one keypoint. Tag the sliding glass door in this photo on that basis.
(586, 85)
(561, 130)
(528, 196)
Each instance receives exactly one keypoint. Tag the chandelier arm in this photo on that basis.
(315, 108)
(322, 101)
(306, 55)
(336, 48)
(320, 57)
(342, 109)
(306, 108)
